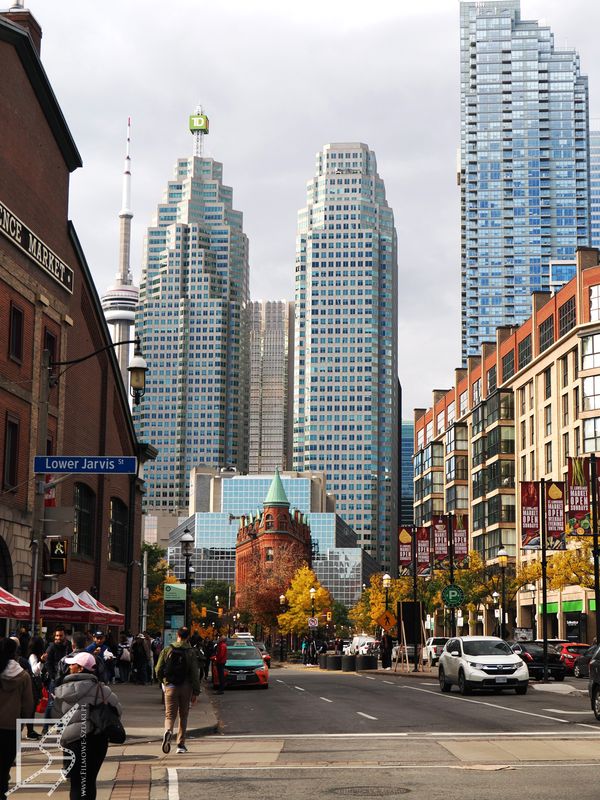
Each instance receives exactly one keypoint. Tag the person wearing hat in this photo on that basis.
(82, 688)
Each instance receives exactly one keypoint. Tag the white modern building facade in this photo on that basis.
(346, 393)
(191, 322)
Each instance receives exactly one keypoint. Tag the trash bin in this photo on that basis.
(322, 660)
(348, 663)
(334, 662)
(366, 662)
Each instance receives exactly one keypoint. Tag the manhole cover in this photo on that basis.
(368, 791)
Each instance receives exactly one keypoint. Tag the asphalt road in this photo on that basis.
(311, 701)
(342, 735)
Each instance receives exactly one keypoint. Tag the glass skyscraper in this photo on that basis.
(345, 375)
(270, 391)
(595, 188)
(191, 322)
(524, 171)
(407, 487)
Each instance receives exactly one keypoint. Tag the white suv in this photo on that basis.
(481, 662)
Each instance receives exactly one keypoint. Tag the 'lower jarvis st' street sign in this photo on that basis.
(94, 465)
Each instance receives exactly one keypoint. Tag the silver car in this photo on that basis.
(481, 662)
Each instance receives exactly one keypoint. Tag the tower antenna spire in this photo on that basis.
(120, 301)
(199, 129)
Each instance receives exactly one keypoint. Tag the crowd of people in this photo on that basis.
(56, 673)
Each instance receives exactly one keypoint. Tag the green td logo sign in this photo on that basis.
(453, 596)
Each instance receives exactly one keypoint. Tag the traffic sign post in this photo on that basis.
(453, 596)
(313, 622)
(387, 621)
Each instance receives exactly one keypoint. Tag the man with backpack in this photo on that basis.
(177, 671)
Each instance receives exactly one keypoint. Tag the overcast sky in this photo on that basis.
(278, 81)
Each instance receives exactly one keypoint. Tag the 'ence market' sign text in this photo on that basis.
(19, 234)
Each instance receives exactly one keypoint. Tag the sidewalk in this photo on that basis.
(128, 770)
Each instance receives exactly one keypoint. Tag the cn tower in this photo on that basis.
(120, 301)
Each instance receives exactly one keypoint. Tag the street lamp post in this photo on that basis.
(282, 606)
(387, 582)
(503, 562)
(187, 548)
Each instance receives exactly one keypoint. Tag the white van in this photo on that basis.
(359, 644)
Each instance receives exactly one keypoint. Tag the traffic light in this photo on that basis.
(57, 563)
(203, 612)
(220, 611)
(329, 616)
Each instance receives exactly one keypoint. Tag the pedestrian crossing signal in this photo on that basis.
(203, 612)
(57, 563)
(329, 616)
(220, 611)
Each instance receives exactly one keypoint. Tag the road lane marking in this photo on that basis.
(430, 684)
(280, 681)
(326, 700)
(391, 683)
(482, 703)
(514, 765)
(300, 689)
(173, 782)
(369, 677)
(560, 711)
(368, 716)
(422, 735)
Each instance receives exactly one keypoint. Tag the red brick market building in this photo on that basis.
(48, 301)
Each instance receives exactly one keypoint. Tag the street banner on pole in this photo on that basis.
(578, 518)
(530, 515)
(404, 551)
(461, 540)
(423, 552)
(555, 515)
(440, 539)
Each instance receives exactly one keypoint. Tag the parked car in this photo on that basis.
(360, 644)
(594, 686)
(398, 653)
(532, 654)
(434, 647)
(263, 650)
(581, 667)
(569, 652)
(481, 662)
(244, 667)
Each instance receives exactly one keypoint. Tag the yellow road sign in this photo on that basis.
(387, 620)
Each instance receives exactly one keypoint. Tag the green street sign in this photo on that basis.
(174, 591)
(453, 596)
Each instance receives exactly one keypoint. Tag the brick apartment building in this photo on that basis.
(48, 301)
(516, 413)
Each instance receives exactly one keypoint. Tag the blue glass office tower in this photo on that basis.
(407, 486)
(346, 385)
(191, 320)
(524, 171)
(595, 188)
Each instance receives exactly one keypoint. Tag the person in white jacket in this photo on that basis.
(82, 688)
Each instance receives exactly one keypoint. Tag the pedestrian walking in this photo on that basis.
(80, 644)
(16, 700)
(124, 657)
(82, 688)
(177, 672)
(385, 649)
(220, 661)
(304, 648)
(55, 652)
(139, 659)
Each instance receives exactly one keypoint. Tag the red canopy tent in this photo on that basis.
(66, 606)
(111, 617)
(13, 607)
